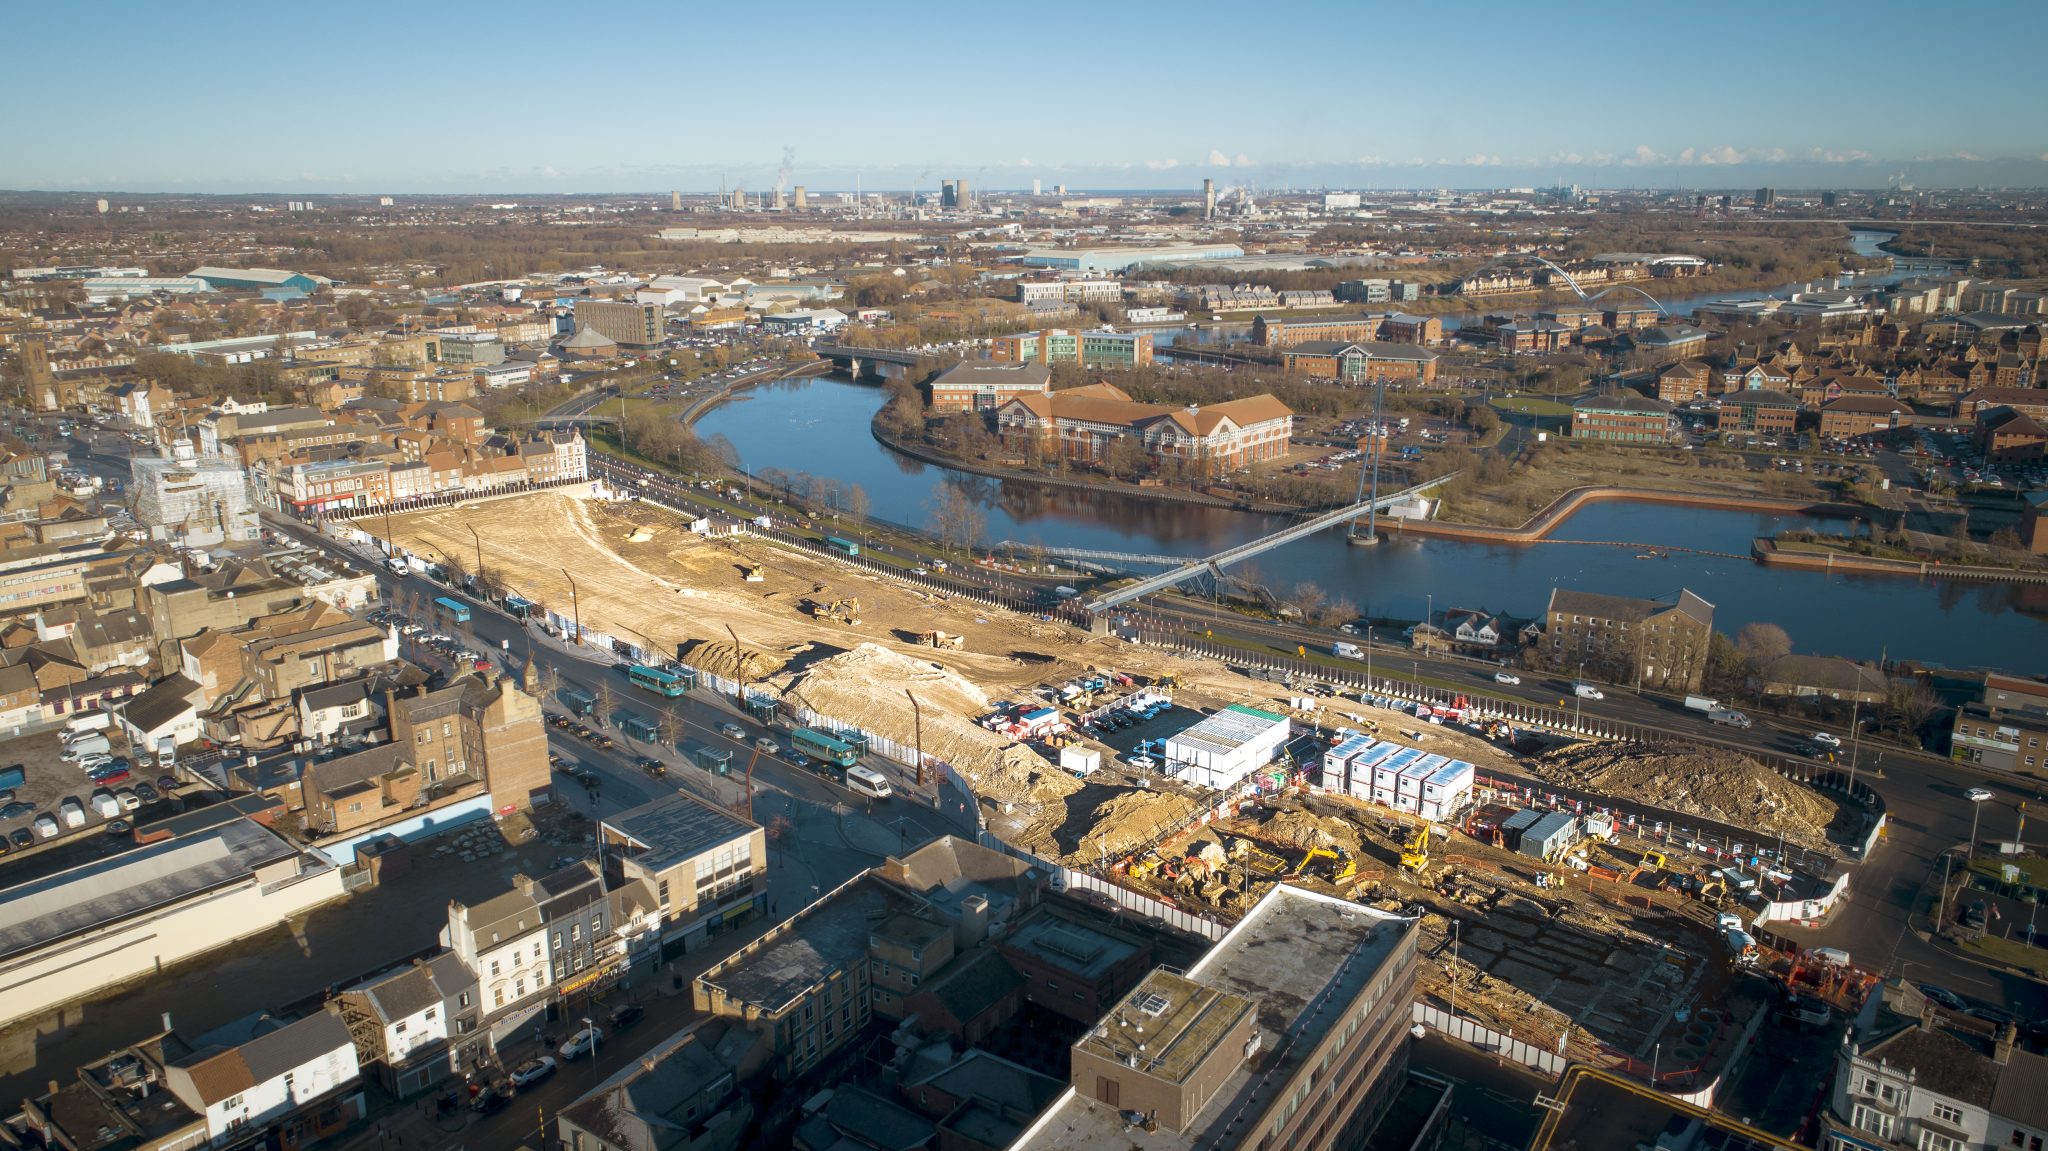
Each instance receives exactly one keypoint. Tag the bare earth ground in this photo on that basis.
(638, 573)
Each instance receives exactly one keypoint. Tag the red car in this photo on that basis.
(110, 775)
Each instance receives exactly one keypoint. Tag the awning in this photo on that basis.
(585, 979)
(735, 911)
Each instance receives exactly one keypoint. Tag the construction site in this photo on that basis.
(1566, 927)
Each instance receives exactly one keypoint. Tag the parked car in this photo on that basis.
(581, 1043)
(489, 1101)
(533, 1071)
(624, 1017)
(1943, 997)
(652, 766)
(16, 810)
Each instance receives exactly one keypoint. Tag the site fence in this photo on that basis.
(1471, 1032)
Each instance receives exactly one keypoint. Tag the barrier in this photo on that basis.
(1486, 1039)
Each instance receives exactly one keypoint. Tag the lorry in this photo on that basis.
(1347, 650)
(1729, 717)
(1701, 703)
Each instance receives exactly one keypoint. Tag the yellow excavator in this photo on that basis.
(1415, 852)
(1343, 866)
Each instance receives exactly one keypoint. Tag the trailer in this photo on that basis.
(1701, 703)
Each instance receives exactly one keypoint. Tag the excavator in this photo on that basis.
(1415, 851)
(1343, 866)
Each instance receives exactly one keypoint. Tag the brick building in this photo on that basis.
(1084, 425)
(1861, 415)
(1623, 418)
(1625, 640)
(1368, 362)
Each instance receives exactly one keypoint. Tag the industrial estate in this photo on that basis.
(994, 664)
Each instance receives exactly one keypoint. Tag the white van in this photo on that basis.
(867, 781)
(1587, 691)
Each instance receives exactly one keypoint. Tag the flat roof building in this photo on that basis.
(1221, 750)
(1119, 259)
(1306, 989)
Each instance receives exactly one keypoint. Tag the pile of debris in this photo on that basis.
(1711, 783)
(866, 687)
(720, 657)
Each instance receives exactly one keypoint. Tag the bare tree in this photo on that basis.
(955, 518)
(857, 504)
(669, 725)
(1308, 599)
(607, 700)
(550, 683)
(1760, 643)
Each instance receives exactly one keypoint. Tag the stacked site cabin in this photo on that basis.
(1404, 778)
(1224, 748)
(1337, 761)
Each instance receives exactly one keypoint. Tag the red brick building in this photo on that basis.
(1758, 412)
(2006, 436)
(1368, 362)
(1085, 424)
(1861, 415)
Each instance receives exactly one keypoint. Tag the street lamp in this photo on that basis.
(1977, 800)
(478, 541)
(591, 1027)
(575, 605)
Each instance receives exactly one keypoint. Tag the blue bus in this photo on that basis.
(458, 610)
(820, 746)
(518, 607)
(847, 546)
(654, 679)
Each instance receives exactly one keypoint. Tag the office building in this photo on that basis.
(1290, 1032)
(625, 323)
(1623, 418)
(1355, 364)
(707, 868)
(194, 503)
(985, 387)
(1118, 260)
(1085, 425)
(1099, 348)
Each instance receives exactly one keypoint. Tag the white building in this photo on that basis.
(101, 290)
(504, 941)
(1222, 749)
(247, 1087)
(1931, 1082)
(418, 1023)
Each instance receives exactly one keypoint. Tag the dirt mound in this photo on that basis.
(719, 657)
(1101, 821)
(1301, 829)
(865, 686)
(1020, 775)
(1718, 785)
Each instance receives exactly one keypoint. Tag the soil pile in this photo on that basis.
(1103, 821)
(1020, 775)
(865, 687)
(720, 657)
(1718, 785)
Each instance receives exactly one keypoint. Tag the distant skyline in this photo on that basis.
(380, 98)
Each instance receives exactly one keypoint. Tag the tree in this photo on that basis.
(550, 683)
(669, 726)
(1308, 599)
(1760, 643)
(1908, 706)
(607, 701)
(954, 517)
(856, 502)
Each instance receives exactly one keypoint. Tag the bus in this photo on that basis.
(823, 747)
(654, 679)
(847, 546)
(455, 608)
(518, 607)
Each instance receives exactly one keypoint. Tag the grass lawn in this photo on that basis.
(1531, 406)
(2011, 952)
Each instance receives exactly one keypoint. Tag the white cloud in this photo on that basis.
(1243, 161)
(1644, 154)
(1162, 165)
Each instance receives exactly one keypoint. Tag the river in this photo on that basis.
(821, 427)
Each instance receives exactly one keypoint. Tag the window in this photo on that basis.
(498, 997)
(494, 968)
(558, 941)
(1947, 1113)
(1934, 1141)
(432, 1013)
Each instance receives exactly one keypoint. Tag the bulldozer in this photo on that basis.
(941, 639)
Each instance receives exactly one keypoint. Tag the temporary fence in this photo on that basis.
(1505, 1045)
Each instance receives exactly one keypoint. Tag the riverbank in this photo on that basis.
(1540, 525)
(1769, 553)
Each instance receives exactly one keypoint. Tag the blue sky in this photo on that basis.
(375, 97)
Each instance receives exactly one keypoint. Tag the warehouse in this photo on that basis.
(1222, 749)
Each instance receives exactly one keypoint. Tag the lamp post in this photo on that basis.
(575, 605)
(479, 542)
(1855, 708)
